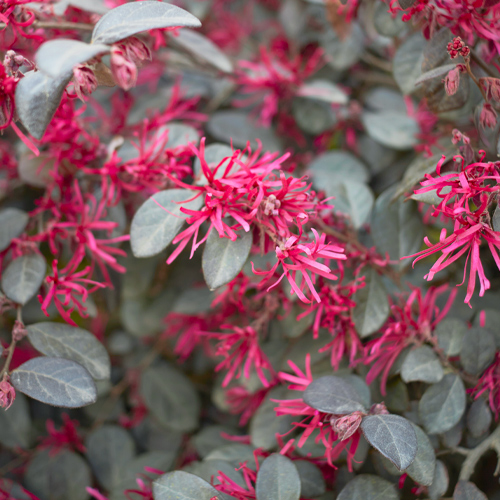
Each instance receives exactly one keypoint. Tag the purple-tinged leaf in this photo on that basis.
(132, 18)
(465, 490)
(180, 485)
(393, 436)
(55, 381)
(332, 394)
(23, 277)
(277, 479)
(368, 487)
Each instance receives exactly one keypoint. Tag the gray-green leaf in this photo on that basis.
(277, 479)
(465, 490)
(13, 222)
(368, 487)
(450, 333)
(394, 130)
(478, 350)
(423, 467)
(23, 277)
(442, 404)
(55, 381)
(132, 18)
(63, 341)
(180, 485)
(422, 364)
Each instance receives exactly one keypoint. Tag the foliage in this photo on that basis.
(314, 150)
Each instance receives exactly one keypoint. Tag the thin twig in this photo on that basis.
(373, 60)
(59, 25)
(482, 64)
(492, 442)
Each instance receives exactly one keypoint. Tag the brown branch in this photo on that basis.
(60, 25)
(492, 442)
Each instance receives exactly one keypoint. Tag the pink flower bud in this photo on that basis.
(379, 409)
(19, 331)
(457, 47)
(491, 87)
(452, 81)
(136, 50)
(7, 393)
(347, 425)
(84, 80)
(488, 116)
(123, 69)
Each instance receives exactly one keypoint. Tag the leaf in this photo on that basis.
(109, 450)
(368, 487)
(37, 98)
(442, 404)
(23, 277)
(354, 199)
(277, 479)
(372, 305)
(223, 259)
(180, 485)
(55, 381)
(154, 228)
(342, 52)
(57, 58)
(63, 341)
(465, 490)
(423, 467)
(422, 364)
(396, 227)
(332, 394)
(214, 154)
(313, 116)
(312, 482)
(394, 130)
(478, 350)
(450, 333)
(431, 197)
(440, 482)
(13, 222)
(408, 62)
(393, 436)
(171, 397)
(234, 454)
(132, 18)
(323, 90)
(386, 23)
(435, 72)
(478, 418)
(203, 49)
(15, 424)
(58, 476)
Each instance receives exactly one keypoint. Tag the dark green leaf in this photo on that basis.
(171, 397)
(440, 481)
(58, 476)
(479, 418)
(203, 48)
(223, 259)
(394, 130)
(393, 436)
(478, 350)
(109, 449)
(332, 394)
(153, 227)
(423, 467)
(55, 381)
(63, 341)
(408, 62)
(13, 222)
(180, 485)
(372, 305)
(37, 98)
(277, 479)
(396, 227)
(442, 404)
(132, 18)
(23, 277)
(312, 482)
(15, 424)
(368, 487)
(466, 490)
(57, 58)
(450, 333)
(422, 364)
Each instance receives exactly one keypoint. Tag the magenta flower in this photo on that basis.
(7, 90)
(489, 384)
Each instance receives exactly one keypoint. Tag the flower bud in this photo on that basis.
(491, 88)
(123, 69)
(7, 393)
(347, 425)
(452, 81)
(84, 80)
(488, 116)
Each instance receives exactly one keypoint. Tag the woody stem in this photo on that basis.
(11, 347)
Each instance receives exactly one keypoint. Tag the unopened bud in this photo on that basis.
(452, 81)
(84, 80)
(488, 116)
(7, 393)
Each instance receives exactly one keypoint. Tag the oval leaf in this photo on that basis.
(478, 418)
(440, 482)
(393, 436)
(13, 222)
(450, 333)
(391, 129)
(223, 259)
(57, 58)
(180, 485)
(277, 479)
(332, 394)
(15, 424)
(153, 227)
(354, 199)
(312, 481)
(465, 490)
(422, 364)
(55, 381)
(407, 63)
(323, 90)
(368, 487)
(63, 341)
(372, 305)
(37, 98)
(23, 277)
(423, 467)
(132, 18)
(442, 404)
(478, 350)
